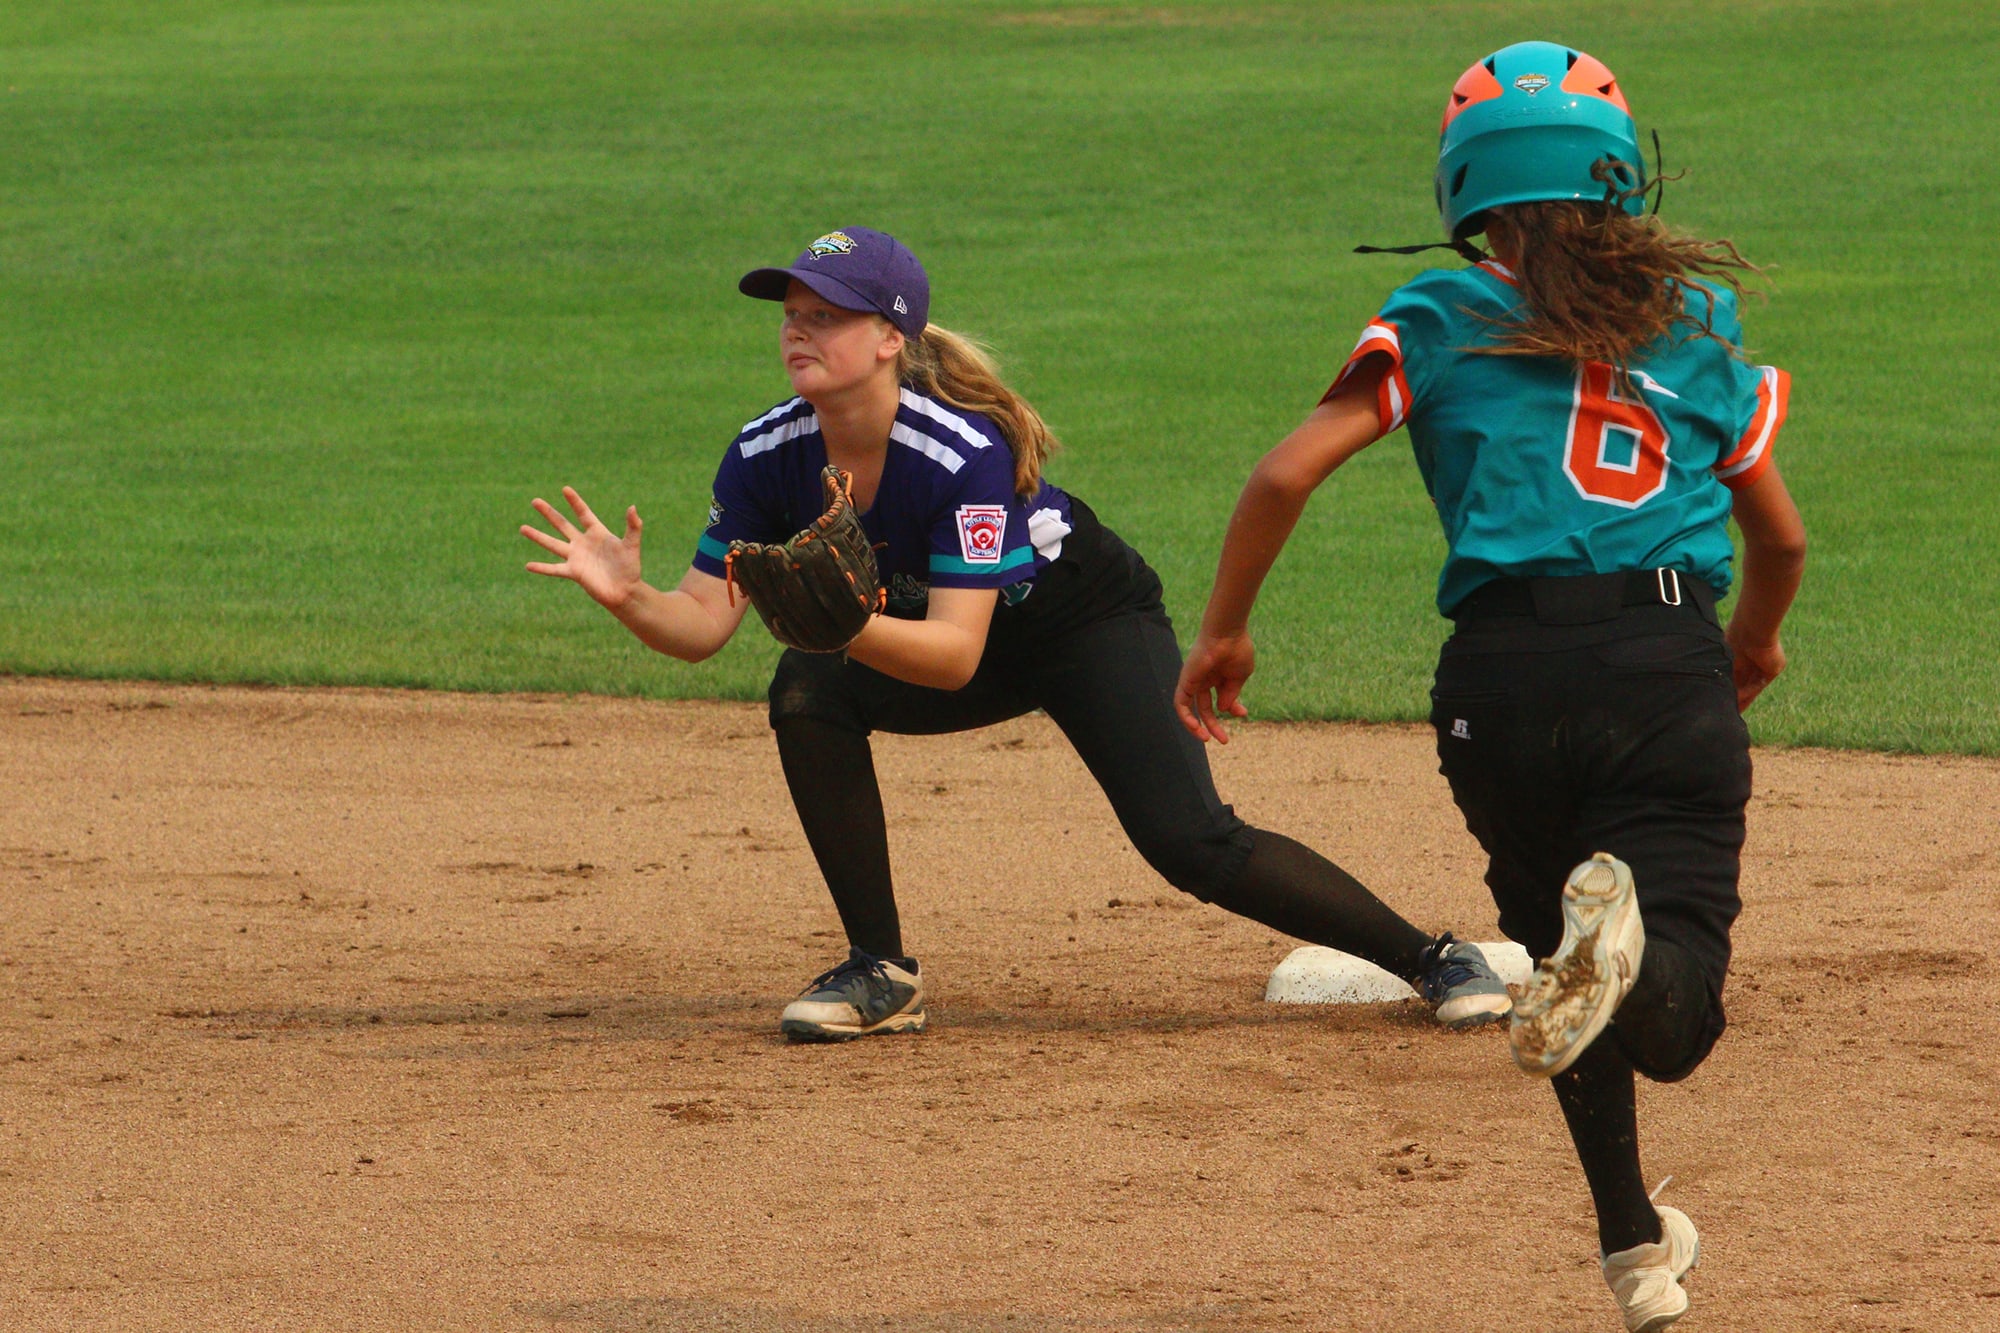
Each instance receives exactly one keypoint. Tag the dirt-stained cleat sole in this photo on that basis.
(1574, 992)
(1646, 1279)
(865, 996)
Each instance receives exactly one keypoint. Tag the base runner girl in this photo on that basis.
(1005, 594)
(1583, 417)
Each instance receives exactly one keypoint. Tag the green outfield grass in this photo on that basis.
(302, 302)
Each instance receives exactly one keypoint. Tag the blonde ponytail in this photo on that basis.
(956, 370)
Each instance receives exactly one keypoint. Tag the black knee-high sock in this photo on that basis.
(1664, 1017)
(831, 773)
(1600, 1103)
(1292, 888)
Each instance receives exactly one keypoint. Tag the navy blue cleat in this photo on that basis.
(1458, 980)
(865, 996)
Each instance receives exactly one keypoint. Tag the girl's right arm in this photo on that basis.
(1774, 560)
(1222, 656)
(690, 622)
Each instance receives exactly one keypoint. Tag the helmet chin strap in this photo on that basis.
(1472, 254)
(1659, 175)
(1466, 250)
(1657, 186)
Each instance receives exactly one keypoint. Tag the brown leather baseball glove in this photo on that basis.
(817, 590)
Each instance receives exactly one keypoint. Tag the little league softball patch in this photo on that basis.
(981, 529)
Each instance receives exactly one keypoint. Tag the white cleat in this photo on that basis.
(1646, 1279)
(1574, 992)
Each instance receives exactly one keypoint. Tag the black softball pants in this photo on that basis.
(1619, 733)
(1623, 737)
(1093, 647)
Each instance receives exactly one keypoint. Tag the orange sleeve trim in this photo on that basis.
(1743, 480)
(1392, 393)
(1752, 455)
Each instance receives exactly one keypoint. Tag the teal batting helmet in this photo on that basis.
(1531, 122)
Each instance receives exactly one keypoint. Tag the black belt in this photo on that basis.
(1588, 598)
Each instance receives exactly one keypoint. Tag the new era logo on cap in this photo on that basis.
(901, 309)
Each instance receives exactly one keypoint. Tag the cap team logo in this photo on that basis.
(980, 532)
(840, 243)
(1532, 83)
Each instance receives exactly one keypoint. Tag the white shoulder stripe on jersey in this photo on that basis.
(1763, 427)
(777, 435)
(945, 417)
(936, 450)
(770, 416)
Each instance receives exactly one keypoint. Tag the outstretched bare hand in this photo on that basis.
(603, 565)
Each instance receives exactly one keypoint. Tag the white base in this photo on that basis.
(1313, 975)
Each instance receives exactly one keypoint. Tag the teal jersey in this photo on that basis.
(1540, 466)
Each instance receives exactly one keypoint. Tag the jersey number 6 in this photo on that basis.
(1617, 448)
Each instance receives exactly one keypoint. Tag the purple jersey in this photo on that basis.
(945, 513)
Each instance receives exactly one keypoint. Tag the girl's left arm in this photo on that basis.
(1222, 656)
(1774, 561)
(942, 650)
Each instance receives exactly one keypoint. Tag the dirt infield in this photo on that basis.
(372, 1010)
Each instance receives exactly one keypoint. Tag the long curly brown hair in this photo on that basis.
(1599, 284)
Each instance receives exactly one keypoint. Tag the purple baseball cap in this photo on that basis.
(856, 268)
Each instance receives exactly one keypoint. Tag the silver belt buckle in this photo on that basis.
(1661, 576)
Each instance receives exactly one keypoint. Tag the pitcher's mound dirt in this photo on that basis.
(373, 1010)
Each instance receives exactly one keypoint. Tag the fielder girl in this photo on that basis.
(1583, 418)
(1004, 595)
